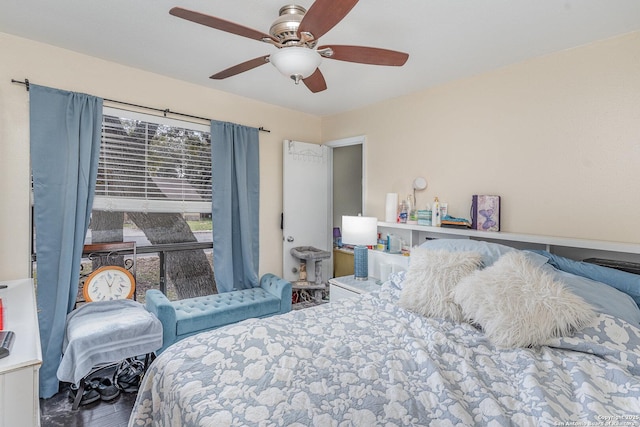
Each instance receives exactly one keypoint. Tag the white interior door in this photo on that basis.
(306, 204)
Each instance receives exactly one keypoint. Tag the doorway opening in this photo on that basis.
(347, 192)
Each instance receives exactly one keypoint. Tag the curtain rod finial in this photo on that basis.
(25, 83)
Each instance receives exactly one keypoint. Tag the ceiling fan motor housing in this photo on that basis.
(285, 27)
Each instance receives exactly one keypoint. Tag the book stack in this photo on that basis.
(453, 222)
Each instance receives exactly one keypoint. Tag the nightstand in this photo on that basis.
(349, 287)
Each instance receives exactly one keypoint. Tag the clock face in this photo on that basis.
(109, 283)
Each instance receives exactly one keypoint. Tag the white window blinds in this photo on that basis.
(153, 164)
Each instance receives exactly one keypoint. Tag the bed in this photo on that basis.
(387, 359)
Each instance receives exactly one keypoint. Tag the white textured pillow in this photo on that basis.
(519, 305)
(431, 277)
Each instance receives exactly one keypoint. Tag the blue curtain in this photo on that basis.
(65, 146)
(235, 205)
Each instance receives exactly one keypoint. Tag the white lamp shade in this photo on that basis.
(359, 230)
(296, 61)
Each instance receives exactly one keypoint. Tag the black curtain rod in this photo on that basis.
(164, 112)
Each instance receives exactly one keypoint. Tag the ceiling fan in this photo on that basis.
(295, 33)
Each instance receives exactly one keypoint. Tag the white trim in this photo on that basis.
(354, 140)
(549, 241)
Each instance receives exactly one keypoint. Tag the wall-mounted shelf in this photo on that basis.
(414, 235)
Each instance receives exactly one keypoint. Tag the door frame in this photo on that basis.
(344, 142)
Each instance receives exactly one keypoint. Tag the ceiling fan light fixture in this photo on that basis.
(295, 33)
(296, 62)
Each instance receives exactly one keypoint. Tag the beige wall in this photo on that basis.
(557, 137)
(49, 66)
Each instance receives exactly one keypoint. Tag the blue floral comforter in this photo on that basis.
(367, 362)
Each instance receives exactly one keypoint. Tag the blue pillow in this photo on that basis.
(621, 280)
(490, 252)
(603, 298)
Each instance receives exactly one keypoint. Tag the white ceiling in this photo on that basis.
(445, 39)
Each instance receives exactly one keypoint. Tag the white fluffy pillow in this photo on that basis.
(431, 277)
(519, 305)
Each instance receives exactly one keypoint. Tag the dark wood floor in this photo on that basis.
(56, 411)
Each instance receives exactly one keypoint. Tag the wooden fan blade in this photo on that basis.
(367, 55)
(241, 68)
(323, 15)
(315, 82)
(218, 24)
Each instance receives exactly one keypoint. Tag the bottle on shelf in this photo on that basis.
(395, 245)
(404, 212)
(436, 214)
(412, 217)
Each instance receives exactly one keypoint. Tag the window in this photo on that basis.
(153, 164)
(154, 188)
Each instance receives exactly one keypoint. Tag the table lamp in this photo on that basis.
(360, 231)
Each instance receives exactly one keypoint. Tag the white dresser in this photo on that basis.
(19, 402)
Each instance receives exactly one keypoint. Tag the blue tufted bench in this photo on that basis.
(190, 316)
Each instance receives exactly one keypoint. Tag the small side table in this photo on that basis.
(349, 287)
